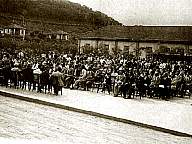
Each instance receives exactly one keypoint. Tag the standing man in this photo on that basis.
(57, 80)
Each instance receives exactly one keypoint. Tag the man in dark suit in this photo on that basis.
(57, 80)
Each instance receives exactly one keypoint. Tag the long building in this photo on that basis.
(141, 41)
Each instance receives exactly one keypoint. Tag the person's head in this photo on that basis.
(16, 65)
(59, 69)
(83, 66)
(120, 71)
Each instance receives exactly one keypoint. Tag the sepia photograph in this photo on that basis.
(95, 72)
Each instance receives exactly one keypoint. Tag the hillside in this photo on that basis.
(52, 15)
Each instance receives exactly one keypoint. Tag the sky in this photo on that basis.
(144, 12)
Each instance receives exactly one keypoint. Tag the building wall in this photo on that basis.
(144, 45)
(13, 31)
(22, 32)
(7, 31)
(1, 31)
(49, 36)
(66, 37)
(58, 37)
(172, 46)
(110, 44)
(82, 43)
(190, 47)
(156, 46)
(90, 42)
(96, 44)
(132, 46)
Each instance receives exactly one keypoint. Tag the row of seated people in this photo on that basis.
(127, 85)
(161, 87)
(40, 79)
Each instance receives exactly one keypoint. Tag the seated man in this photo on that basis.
(107, 82)
(81, 81)
(119, 81)
(98, 79)
(69, 80)
(89, 78)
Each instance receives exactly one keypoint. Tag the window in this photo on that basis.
(164, 49)
(149, 50)
(21, 32)
(58, 36)
(173, 50)
(87, 44)
(190, 51)
(53, 36)
(126, 48)
(6, 31)
(142, 48)
(167, 50)
(180, 50)
(66, 37)
(106, 46)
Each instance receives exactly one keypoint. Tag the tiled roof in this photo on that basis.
(162, 33)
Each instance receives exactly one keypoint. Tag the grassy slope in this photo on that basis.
(52, 15)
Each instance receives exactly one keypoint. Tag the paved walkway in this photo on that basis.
(23, 121)
(173, 116)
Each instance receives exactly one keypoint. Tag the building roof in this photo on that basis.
(142, 33)
(55, 32)
(2, 26)
(61, 32)
(15, 26)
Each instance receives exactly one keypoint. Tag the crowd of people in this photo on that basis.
(119, 75)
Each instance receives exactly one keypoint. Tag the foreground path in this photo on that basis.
(20, 120)
(174, 115)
